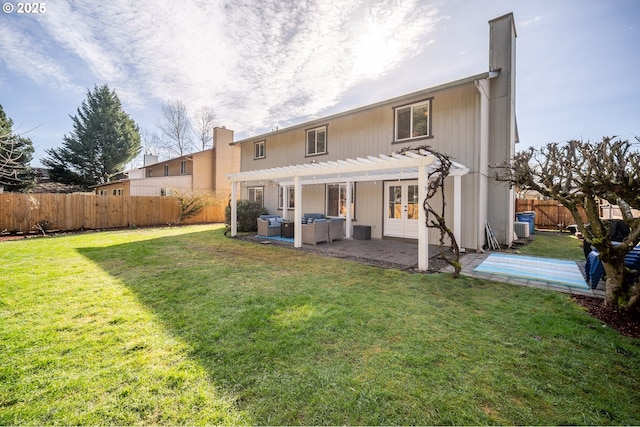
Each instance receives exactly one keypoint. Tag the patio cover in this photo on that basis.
(414, 164)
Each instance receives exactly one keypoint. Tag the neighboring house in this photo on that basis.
(204, 171)
(348, 164)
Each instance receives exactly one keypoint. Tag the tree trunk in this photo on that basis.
(614, 294)
(620, 291)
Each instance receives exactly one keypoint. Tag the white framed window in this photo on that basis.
(117, 192)
(289, 200)
(256, 194)
(149, 173)
(183, 167)
(104, 192)
(413, 121)
(337, 200)
(166, 170)
(258, 150)
(316, 141)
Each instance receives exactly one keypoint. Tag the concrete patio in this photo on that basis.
(402, 254)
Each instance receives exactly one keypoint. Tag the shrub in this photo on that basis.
(248, 213)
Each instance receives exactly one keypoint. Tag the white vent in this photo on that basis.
(521, 229)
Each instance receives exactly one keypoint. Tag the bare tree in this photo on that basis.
(577, 174)
(176, 128)
(12, 161)
(203, 122)
(16, 153)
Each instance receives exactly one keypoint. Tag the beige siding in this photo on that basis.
(201, 165)
(369, 206)
(370, 132)
(455, 129)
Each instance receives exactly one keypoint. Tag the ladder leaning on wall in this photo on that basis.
(491, 237)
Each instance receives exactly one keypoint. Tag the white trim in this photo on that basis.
(372, 168)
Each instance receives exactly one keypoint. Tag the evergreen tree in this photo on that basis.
(16, 153)
(103, 140)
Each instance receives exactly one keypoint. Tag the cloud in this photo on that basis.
(536, 19)
(257, 62)
(27, 56)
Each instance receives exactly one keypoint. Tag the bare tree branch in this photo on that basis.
(176, 128)
(203, 123)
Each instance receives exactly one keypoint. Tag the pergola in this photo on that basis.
(414, 164)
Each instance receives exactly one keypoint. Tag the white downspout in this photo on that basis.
(457, 209)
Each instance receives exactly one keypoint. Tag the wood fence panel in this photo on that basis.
(549, 214)
(21, 212)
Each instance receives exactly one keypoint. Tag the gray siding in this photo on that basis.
(455, 130)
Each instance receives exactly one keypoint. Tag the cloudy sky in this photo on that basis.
(263, 64)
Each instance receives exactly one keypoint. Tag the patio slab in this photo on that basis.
(402, 254)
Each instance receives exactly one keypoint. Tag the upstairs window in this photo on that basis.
(317, 141)
(183, 167)
(413, 121)
(258, 150)
(166, 170)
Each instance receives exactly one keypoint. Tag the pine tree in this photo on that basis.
(103, 140)
(16, 153)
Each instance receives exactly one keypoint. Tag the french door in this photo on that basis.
(401, 201)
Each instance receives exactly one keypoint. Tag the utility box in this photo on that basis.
(362, 232)
(521, 229)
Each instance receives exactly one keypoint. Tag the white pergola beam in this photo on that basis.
(342, 167)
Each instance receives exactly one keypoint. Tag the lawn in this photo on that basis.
(185, 326)
(551, 244)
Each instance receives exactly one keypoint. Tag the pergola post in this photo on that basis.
(234, 209)
(348, 213)
(423, 231)
(297, 212)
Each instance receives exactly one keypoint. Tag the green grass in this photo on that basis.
(551, 244)
(185, 326)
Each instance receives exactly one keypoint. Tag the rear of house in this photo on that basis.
(472, 120)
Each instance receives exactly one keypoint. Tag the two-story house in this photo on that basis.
(354, 164)
(201, 172)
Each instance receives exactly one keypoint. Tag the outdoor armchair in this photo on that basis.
(315, 232)
(336, 229)
(269, 225)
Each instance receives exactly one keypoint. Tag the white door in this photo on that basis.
(401, 209)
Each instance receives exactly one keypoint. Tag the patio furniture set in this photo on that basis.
(315, 228)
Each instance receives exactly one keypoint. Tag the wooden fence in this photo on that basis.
(22, 212)
(549, 214)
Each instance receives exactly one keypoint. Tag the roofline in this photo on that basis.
(398, 99)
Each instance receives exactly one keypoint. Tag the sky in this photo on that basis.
(266, 64)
